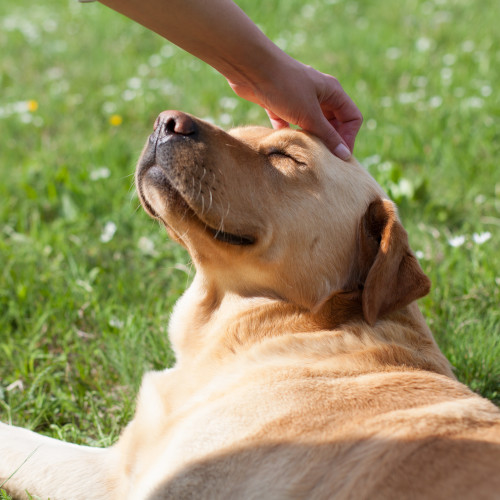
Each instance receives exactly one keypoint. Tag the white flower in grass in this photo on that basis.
(411, 97)
(393, 53)
(407, 97)
(435, 101)
(281, 42)
(443, 16)
(225, 119)
(362, 23)
(19, 107)
(134, 83)
(228, 102)
(456, 241)
(59, 87)
(386, 102)
(481, 238)
(143, 70)
(385, 166)
(108, 232)
(30, 31)
(361, 86)
(299, 39)
(420, 81)
(109, 107)
(17, 384)
(486, 90)
(85, 285)
(167, 87)
(129, 95)
(351, 7)
(49, 25)
(146, 246)
(371, 160)
(468, 46)
(155, 60)
(449, 59)
(423, 44)
(167, 51)
(9, 23)
(109, 90)
(419, 254)
(446, 75)
(100, 173)
(193, 65)
(54, 73)
(154, 83)
(474, 102)
(308, 11)
(116, 323)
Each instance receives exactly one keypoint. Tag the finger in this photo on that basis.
(348, 131)
(341, 111)
(325, 131)
(276, 122)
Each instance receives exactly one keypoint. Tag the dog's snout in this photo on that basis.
(170, 123)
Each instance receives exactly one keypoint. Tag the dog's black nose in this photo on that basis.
(174, 123)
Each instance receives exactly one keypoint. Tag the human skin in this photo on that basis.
(221, 34)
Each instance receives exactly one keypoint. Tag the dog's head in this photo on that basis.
(273, 213)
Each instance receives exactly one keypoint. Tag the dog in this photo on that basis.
(304, 368)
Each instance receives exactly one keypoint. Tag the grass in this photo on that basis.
(87, 281)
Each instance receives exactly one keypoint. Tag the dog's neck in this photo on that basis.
(208, 327)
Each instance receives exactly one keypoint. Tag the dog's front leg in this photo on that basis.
(53, 469)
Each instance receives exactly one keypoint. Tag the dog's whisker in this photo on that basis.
(131, 187)
(193, 190)
(211, 200)
(128, 175)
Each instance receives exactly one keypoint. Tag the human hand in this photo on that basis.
(221, 34)
(316, 102)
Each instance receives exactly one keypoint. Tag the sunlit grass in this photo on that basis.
(87, 281)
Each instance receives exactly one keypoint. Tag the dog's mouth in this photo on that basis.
(179, 204)
(232, 239)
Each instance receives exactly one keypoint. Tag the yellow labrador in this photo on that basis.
(304, 367)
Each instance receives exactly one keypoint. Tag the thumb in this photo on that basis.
(276, 121)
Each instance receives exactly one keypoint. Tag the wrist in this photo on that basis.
(259, 64)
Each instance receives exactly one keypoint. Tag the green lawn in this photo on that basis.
(87, 280)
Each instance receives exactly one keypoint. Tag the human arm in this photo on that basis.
(221, 34)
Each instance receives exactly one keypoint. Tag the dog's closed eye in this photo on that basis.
(278, 153)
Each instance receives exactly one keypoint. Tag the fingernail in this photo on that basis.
(342, 151)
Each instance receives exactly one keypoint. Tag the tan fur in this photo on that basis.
(304, 366)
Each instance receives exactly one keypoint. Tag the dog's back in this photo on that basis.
(300, 433)
(353, 412)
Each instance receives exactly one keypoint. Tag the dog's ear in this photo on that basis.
(389, 272)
